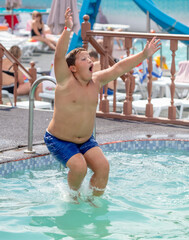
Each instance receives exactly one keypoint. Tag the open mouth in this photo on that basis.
(91, 68)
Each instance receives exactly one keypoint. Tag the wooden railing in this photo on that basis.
(31, 74)
(88, 36)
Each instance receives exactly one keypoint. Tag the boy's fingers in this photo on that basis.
(153, 39)
(158, 40)
(67, 11)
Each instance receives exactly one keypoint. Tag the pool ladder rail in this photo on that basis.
(31, 107)
(31, 112)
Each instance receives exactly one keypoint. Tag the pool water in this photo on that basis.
(147, 197)
(25, 10)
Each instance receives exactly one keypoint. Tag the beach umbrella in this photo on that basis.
(10, 5)
(56, 20)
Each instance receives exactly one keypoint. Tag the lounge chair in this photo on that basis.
(8, 40)
(37, 105)
(181, 81)
(184, 104)
(23, 28)
(10, 96)
(139, 106)
(159, 104)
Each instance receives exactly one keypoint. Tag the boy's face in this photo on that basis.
(84, 65)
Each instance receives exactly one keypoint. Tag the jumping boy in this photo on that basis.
(69, 135)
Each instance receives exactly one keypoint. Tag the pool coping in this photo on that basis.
(105, 144)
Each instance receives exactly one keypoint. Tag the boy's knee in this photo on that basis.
(82, 170)
(103, 171)
(79, 169)
(106, 167)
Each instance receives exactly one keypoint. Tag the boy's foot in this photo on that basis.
(74, 196)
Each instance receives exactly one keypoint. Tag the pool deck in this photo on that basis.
(14, 124)
(14, 132)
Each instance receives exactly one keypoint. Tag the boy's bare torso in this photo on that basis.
(75, 110)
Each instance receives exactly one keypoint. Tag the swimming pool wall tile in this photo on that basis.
(145, 144)
(31, 163)
(48, 161)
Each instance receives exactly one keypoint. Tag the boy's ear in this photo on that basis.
(73, 68)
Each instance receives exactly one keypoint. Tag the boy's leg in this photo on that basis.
(77, 171)
(98, 163)
(68, 154)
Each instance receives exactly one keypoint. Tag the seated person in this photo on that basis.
(29, 23)
(23, 87)
(38, 34)
(97, 67)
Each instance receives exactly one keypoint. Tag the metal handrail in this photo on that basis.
(31, 107)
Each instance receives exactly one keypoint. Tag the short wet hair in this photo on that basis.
(15, 51)
(71, 56)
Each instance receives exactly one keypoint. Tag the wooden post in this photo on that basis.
(149, 106)
(85, 26)
(33, 72)
(132, 86)
(172, 108)
(102, 64)
(15, 67)
(127, 105)
(105, 101)
(1, 74)
(114, 99)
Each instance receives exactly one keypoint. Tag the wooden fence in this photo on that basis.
(88, 36)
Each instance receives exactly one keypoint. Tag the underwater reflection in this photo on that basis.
(80, 221)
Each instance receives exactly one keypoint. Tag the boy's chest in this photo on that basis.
(85, 96)
(77, 96)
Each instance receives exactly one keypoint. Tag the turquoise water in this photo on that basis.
(123, 9)
(127, 12)
(20, 10)
(147, 197)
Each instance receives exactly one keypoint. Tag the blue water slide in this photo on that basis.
(168, 23)
(89, 7)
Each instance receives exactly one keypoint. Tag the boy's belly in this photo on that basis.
(75, 128)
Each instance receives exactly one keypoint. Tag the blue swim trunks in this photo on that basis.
(109, 91)
(63, 150)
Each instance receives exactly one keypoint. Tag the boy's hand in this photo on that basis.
(151, 47)
(68, 18)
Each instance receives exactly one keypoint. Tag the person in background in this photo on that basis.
(23, 87)
(29, 24)
(38, 33)
(97, 67)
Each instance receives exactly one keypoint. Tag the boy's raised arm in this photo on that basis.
(62, 72)
(128, 63)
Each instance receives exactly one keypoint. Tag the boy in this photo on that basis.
(69, 134)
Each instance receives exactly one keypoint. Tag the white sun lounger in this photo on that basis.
(8, 40)
(184, 104)
(37, 105)
(6, 94)
(159, 104)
